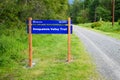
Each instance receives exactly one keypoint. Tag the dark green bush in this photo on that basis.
(96, 24)
(119, 21)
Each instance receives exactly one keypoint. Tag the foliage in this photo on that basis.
(75, 11)
(93, 10)
(105, 26)
(11, 45)
(106, 29)
(38, 9)
(13, 16)
(14, 13)
(117, 10)
(80, 20)
(95, 24)
(103, 13)
(119, 21)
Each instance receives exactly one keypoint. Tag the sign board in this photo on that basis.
(50, 27)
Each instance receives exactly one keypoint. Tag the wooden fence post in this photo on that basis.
(69, 39)
(30, 40)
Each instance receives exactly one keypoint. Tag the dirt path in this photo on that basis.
(104, 50)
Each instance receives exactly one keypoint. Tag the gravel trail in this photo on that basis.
(104, 50)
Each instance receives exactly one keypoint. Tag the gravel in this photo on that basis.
(104, 50)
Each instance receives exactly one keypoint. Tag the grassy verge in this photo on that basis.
(49, 54)
(106, 28)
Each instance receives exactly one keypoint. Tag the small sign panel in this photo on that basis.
(49, 22)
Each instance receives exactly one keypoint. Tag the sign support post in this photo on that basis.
(30, 40)
(69, 39)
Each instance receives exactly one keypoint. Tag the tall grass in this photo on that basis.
(12, 46)
(49, 54)
(106, 28)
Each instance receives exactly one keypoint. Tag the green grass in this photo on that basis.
(49, 54)
(106, 29)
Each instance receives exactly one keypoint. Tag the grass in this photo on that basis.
(106, 29)
(49, 54)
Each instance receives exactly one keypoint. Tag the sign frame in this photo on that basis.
(31, 23)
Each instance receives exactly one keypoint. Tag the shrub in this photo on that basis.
(81, 20)
(96, 24)
(10, 50)
(119, 21)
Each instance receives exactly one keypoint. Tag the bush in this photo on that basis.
(11, 48)
(119, 21)
(81, 20)
(96, 24)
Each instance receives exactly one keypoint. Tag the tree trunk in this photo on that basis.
(95, 16)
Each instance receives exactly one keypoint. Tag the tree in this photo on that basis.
(79, 11)
(103, 13)
(117, 10)
(56, 9)
(75, 9)
(38, 9)
(92, 11)
(8, 11)
(87, 3)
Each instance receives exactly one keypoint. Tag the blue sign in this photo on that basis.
(50, 29)
(49, 22)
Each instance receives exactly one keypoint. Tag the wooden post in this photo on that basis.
(30, 41)
(69, 41)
